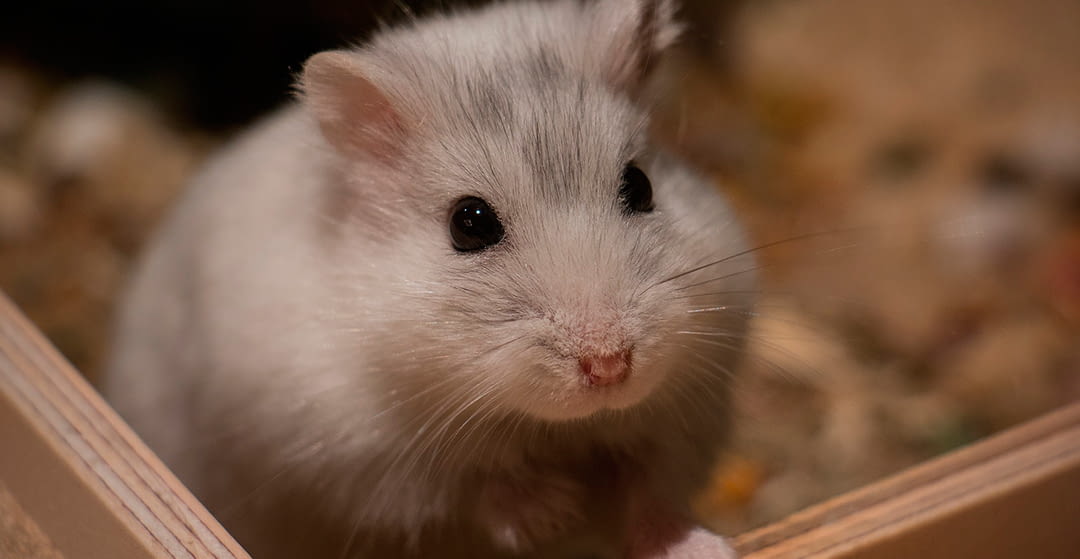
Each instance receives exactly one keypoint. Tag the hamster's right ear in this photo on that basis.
(355, 116)
(626, 39)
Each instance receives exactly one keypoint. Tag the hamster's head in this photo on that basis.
(515, 238)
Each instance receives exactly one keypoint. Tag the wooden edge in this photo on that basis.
(992, 479)
(100, 474)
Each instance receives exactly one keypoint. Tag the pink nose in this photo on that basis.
(605, 370)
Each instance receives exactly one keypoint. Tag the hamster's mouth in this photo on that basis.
(589, 398)
(609, 370)
(610, 381)
(577, 388)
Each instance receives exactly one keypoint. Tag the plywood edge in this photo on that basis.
(969, 488)
(56, 412)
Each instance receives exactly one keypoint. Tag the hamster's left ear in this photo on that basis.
(355, 114)
(627, 38)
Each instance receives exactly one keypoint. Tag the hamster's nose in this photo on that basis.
(606, 370)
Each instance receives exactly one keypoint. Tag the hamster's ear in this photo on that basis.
(355, 116)
(632, 35)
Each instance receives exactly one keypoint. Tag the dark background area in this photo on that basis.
(216, 64)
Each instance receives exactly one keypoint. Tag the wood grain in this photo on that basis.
(90, 484)
(1014, 495)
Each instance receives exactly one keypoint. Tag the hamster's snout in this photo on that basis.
(606, 370)
(597, 356)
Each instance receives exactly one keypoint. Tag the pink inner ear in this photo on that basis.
(353, 114)
(633, 34)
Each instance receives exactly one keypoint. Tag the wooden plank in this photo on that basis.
(1016, 494)
(88, 482)
(20, 536)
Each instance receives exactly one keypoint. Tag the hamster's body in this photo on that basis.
(305, 347)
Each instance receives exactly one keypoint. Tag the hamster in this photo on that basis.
(449, 303)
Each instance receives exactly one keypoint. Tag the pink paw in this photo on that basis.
(699, 544)
(657, 533)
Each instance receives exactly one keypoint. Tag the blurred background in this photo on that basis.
(910, 168)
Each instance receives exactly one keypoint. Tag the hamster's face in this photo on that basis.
(559, 269)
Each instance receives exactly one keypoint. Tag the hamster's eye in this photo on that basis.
(636, 190)
(474, 225)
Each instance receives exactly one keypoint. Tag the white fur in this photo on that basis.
(307, 350)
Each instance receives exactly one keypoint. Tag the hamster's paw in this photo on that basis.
(522, 512)
(699, 544)
(658, 533)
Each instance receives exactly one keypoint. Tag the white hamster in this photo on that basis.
(449, 303)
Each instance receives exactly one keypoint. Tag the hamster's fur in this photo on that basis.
(305, 347)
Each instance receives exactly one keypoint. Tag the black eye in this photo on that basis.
(636, 190)
(474, 225)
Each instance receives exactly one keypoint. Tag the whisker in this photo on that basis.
(800, 237)
(723, 277)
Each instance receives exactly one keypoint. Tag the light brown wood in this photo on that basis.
(91, 486)
(1015, 495)
(19, 535)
